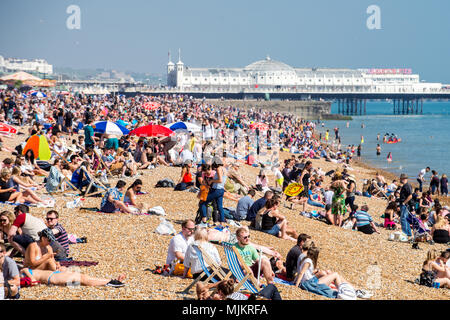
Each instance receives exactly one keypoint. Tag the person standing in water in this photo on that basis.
(389, 157)
(378, 149)
(378, 137)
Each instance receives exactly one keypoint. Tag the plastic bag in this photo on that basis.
(159, 211)
(74, 203)
(165, 227)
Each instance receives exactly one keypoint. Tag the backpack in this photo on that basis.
(165, 183)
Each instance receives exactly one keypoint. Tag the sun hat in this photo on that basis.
(403, 176)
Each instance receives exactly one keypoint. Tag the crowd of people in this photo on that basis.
(84, 158)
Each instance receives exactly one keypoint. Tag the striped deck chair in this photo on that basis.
(216, 270)
(235, 261)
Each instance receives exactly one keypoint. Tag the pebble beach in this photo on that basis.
(124, 243)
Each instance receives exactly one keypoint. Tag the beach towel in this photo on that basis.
(74, 263)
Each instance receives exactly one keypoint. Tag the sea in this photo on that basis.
(425, 138)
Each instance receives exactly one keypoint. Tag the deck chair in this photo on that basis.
(235, 264)
(216, 270)
(94, 182)
(378, 188)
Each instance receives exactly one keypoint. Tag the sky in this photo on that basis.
(136, 35)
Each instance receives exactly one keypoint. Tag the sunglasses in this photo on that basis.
(190, 229)
(50, 219)
(3, 220)
(246, 237)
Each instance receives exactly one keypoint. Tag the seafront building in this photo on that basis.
(276, 75)
(40, 66)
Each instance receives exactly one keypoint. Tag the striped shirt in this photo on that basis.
(362, 218)
(62, 237)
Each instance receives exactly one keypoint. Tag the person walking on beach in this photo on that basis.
(444, 185)
(421, 177)
(405, 197)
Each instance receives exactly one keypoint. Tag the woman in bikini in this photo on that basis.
(130, 196)
(67, 278)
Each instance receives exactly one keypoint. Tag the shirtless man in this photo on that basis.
(39, 255)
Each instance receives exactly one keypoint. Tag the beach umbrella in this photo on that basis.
(293, 189)
(259, 125)
(181, 125)
(151, 130)
(151, 106)
(6, 128)
(109, 127)
(39, 145)
(122, 123)
(39, 94)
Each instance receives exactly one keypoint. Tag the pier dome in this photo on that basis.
(268, 65)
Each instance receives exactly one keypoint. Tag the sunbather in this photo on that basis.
(68, 278)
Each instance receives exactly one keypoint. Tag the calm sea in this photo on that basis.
(425, 138)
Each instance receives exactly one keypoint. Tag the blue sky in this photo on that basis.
(137, 34)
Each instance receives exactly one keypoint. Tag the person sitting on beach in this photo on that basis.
(8, 193)
(28, 224)
(130, 196)
(191, 260)
(111, 200)
(435, 272)
(251, 257)
(11, 277)
(272, 222)
(179, 244)
(244, 204)
(258, 205)
(69, 278)
(389, 214)
(292, 256)
(40, 255)
(441, 230)
(186, 180)
(30, 160)
(58, 230)
(235, 178)
(28, 194)
(79, 178)
(262, 183)
(313, 197)
(309, 277)
(364, 221)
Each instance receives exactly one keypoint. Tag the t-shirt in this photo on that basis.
(328, 197)
(362, 218)
(10, 269)
(115, 195)
(405, 192)
(177, 244)
(256, 206)
(248, 253)
(30, 225)
(244, 204)
(308, 275)
(291, 261)
(421, 174)
(88, 134)
(62, 237)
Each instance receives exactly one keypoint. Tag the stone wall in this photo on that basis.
(305, 109)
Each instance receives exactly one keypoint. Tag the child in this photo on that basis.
(389, 216)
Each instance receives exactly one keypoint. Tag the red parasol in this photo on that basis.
(151, 130)
(151, 106)
(259, 125)
(6, 128)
